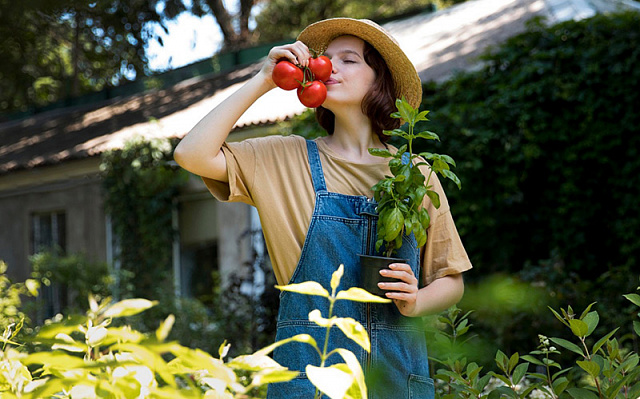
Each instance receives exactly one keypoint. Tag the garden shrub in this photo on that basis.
(547, 136)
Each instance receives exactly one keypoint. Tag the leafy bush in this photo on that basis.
(548, 136)
(89, 357)
(79, 277)
(604, 366)
(140, 187)
(548, 132)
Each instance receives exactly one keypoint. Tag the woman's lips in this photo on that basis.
(331, 81)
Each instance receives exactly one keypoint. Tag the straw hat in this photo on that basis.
(317, 36)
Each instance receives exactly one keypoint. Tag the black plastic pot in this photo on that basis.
(370, 267)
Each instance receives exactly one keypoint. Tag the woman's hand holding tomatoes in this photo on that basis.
(307, 79)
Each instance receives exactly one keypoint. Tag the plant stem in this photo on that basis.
(324, 356)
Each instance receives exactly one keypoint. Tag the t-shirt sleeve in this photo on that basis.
(241, 169)
(443, 254)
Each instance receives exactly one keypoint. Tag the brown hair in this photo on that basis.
(377, 104)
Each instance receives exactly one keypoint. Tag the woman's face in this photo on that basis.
(351, 77)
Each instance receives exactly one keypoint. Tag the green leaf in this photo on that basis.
(581, 393)
(586, 311)
(434, 197)
(506, 391)
(378, 152)
(602, 341)
(532, 359)
(359, 295)
(452, 176)
(428, 135)
(520, 372)
(590, 367)
(407, 112)
(567, 345)
(636, 327)
(634, 298)
(591, 319)
(559, 385)
(393, 221)
(579, 328)
(332, 381)
(448, 159)
(129, 307)
(306, 288)
(397, 133)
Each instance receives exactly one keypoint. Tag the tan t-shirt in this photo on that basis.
(273, 174)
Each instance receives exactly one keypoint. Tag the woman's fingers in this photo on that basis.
(400, 271)
(297, 53)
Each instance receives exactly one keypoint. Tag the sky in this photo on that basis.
(190, 39)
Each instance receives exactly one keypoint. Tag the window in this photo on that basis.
(49, 232)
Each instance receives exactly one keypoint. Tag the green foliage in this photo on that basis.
(11, 295)
(600, 367)
(284, 18)
(400, 196)
(79, 276)
(140, 187)
(548, 130)
(55, 49)
(87, 356)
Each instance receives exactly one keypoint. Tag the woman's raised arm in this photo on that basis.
(199, 151)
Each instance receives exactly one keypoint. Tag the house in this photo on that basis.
(50, 191)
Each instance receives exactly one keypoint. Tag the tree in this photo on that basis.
(56, 49)
(286, 18)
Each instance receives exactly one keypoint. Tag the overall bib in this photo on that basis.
(341, 228)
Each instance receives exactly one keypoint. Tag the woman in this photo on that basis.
(313, 198)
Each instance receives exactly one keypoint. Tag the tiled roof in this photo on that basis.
(438, 43)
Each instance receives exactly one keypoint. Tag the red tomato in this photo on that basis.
(286, 75)
(313, 94)
(321, 67)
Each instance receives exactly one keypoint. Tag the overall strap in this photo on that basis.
(316, 167)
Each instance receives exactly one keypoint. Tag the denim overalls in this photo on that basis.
(342, 227)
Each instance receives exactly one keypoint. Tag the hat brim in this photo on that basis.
(317, 37)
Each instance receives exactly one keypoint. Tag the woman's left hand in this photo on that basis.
(405, 291)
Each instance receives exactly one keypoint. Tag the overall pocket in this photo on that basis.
(421, 387)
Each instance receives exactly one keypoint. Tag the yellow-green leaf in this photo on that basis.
(354, 330)
(32, 286)
(55, 359)
(306, 288)
(335, 278)
(590, 367)
(304, 338)
(129, 307)
(331, 381)
(316, 317)
(271, 376)
(579, 328)
(355, 368)
(359, 295)
(254, 363)
(165, 328)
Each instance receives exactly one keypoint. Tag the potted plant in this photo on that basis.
(399, 197)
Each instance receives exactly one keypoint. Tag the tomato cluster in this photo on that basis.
(308, 81)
